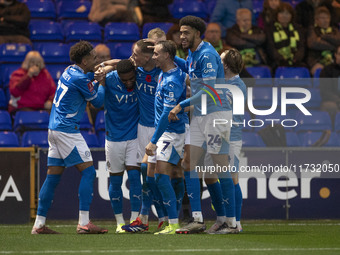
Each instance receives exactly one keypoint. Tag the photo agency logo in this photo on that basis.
(286, 98)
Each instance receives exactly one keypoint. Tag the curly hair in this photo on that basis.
(194, 22)
(79, 51)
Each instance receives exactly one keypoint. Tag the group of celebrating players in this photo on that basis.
(147, 133)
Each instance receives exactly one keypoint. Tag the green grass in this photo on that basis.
(259, 237)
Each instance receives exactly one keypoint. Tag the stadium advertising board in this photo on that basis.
(267, 194)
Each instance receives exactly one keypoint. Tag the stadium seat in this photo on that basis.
(257, 8)
(247, 117)
(101, 138)
(337, 123)
(46, 31)
(35, 138)
(91, 139)
(262, 75)
(5, 121)
(82, 30)
(318, 121)
(292, 76)
(56, 71)
(6, 71)
(165, 26)
(121, 31)
(275, 116)
(75, 9)
(250, 139)
(84, 123)
(54, 52)
(313, 103)
(180, 9)
(263, 97)
(309, 138)
(41, 9)
(100, 122)
(120, 50)
(292, 139)
(316, 78)
(14, 52)
(8, 139)
(210, 6)
(3, 100)
(31, 120)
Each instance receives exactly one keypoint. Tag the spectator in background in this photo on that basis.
(335, 12)
(213, 36)
(31, 86)
(305, 11)
(157, 35)
(104, 11)
(329, 88)
(174, 35)
(266, 17)
(322, 40)
(225, 13)
(155, 11)
(103, 52)
(248, 39)
(14, 19)
(286, 40)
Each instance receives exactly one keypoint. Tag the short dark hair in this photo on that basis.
(169, 47)
(125, 66)
(233, 59)
(194, 22)
(285, 7)
(79, 51)
(321, 9)
(144, 46)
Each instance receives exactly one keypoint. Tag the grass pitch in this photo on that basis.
(259, 237)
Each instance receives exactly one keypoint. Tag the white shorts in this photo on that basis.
(67, 149)
(186, 139)
(204, 134)
(144, 135)
(170, 147)
(234, 153)
(120, 154)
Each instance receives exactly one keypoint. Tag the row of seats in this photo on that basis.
(318, 121)
(308, 139)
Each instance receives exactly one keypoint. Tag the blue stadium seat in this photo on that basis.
(121, 50)
(309, 138)
(179, 9)
(91, 139)
(14, 52)
(318, 121)
(101, 138)
(6, 71)
(337, 123)
(257, 8)
(251, 139)
(54, 52)
(46, 31)
(84, 123)
(263, 97)
(121, 31)
(277, 117)
(210, 6)
(100, 122)
(292, 139)
(316, 78)
(56, 71)
(293, 77)
(8, 139)
(262, 75)
(75, 9)
(165, 26)
(3, 100)
(5, 121)
(247, 117)
(35, 138)
(313, 103)
(82, 30)
(41, 9)
(31, 120)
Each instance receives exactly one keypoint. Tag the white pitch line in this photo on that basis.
(175, 250)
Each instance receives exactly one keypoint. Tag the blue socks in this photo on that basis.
(157, 197)
(238, 201)
(216, 198)
(178, 186)
(135, 190)
(46, 193)
(146, 192)
(116, 194)
(168, 194)
(85, 192)
(193, 190)
(228, 192)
